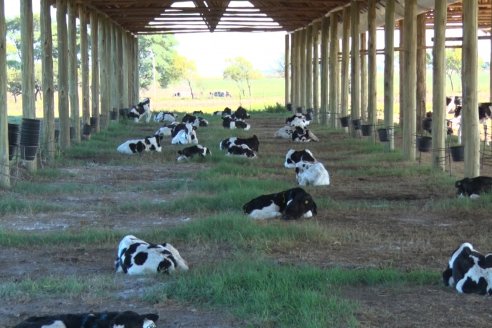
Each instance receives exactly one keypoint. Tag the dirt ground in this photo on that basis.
(386, 234)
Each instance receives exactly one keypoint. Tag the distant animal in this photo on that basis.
(184, 133)
(189, 152)
(469, 271)
(142, 109)
(293, 157)
(197, 112)
(127, 319)
(473, 187)
(312, 174)
(135, 146)
(241, 151)
(227, 111)
(194, 120)
(165, 117)
(453, 102)
(230, 122)
(136, 256)
(166, 130)
(253, 143)
(241, 113)
(427, 124)
(484, 114)
(303, 135)
(289, 204)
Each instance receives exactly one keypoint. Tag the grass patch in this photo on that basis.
(12, 204)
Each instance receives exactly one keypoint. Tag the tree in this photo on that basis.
(453, 64)
(240, 70)
(156, 56)
(185, 69)
(14, 41)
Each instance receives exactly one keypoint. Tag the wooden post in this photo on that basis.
(73, 77)
(470, 131)
(95, 63)
(287, 69)
(439, 85)
(114, 59)
(355, 63)
(4, 140)
(389, 59)
(372, 68)
(84, 61)
(120, 103)
(345, 62)
(325, 39)
(103, 68)
(410, 78)
(401, 62)
(302, 69)
(124, 66)
(293, 70)
(316, 70)
(136, 83)
(47, 84)
(333, 71)
(363, 77)
(309, 67)
(298, 43)
(421, 71)
(63, 107)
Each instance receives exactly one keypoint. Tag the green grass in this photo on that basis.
(13, 204)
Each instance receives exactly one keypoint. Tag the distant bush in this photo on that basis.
(277, 108)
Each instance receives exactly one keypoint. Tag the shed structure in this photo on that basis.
(314, 30)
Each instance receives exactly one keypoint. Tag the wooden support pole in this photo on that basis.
(84, 66)
(421, 71)
(47, 81)
(73, 77)
(439, 86)
(136, 83)
(333, 71)
(63, 104)
(316, 33)
(103, 69)
(345, 62)
(325, 43)
(389, 60)
(363, 77)
(287, 69)
(302, 69)
(355, 63)
(298, 75)
(4, 140)
(114, 60)
(471, 136)
(293, 70)
(95, 64)
(309, 67)
(372, 68)
(125, 102)
(401, 63)
(119, 103)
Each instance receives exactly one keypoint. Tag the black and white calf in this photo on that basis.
(241, 113)
(135, 146)
(240, 151)
(289, 204)
(473, 187)
(136, 256)
(165, 117)
(189, 152)
(469, 271)
(253, 143)
(298, 119)
(194, 120)
(293, 157)
(142, 110)
(313, 174)
(166, 130)
(184, 133)
(127, 319)
(303, 135)
(230, 122)
(284, 132)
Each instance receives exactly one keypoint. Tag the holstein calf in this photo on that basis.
(293, 157)
(141, 110)
(252, 142)
(290, 204)
(166, 130)
(140, 145)
(136, 256)
(184, 133)
(312, 174)
(468, 271)
(473, 187)
(303, 135)
(127, 319)
(230, 122)
(241, 113)
(241, 151)
(298, 119)
(165, 117)
(189, 152)
(284, 132)
(194, 120)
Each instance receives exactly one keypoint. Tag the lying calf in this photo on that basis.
(473, 187)
(166, 130)
(303, 135)
(184, 133)
(241, 151)
(189, 152)
(140, 145)
(252, 142)
(293, 157)
(127, 319)
(468, 271)
(312, 174)
(136, 256)
(230, 122)
(165, 117)
(289, 204)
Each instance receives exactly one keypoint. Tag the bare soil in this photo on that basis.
(387, 234)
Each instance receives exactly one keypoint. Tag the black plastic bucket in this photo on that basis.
(344, 121)
(427, 124)
(72, 133)
(366, 129)
(383, 135)
(457, 153)
(93, 121)
(14, 134)
(113, 115)
(86, 130)
(424, 143)
(29, 141)
(356, 124)
(288, 107)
